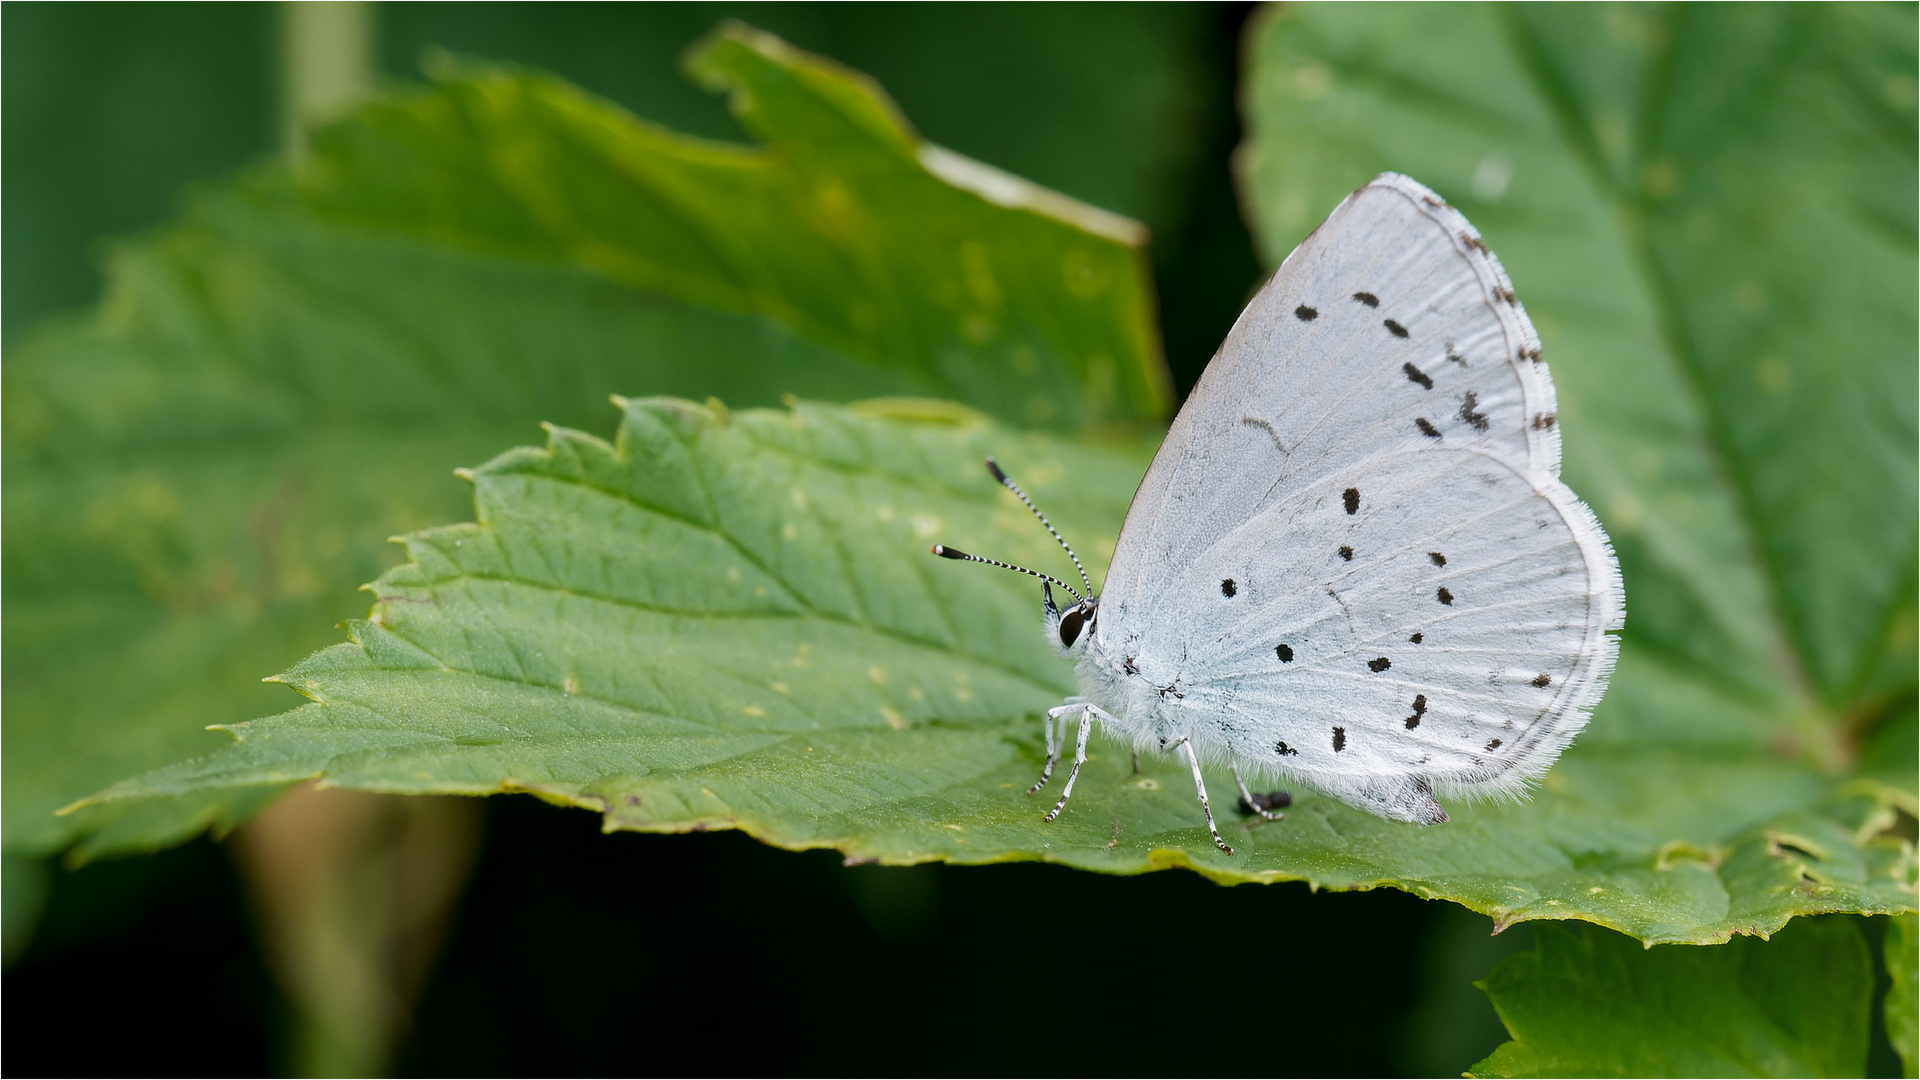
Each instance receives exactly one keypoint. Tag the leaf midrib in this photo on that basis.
(1629, 212)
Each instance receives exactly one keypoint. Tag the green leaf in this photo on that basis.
(199, 474)
(1588, 1002)
(1902, 947)
(957, 279)
(731, 620)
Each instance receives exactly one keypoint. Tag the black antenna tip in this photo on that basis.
(946, 552)
(994, 468)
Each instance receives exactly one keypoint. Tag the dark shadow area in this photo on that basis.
(143, 967)
(586, 953)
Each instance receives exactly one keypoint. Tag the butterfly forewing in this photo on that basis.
(1353, 556)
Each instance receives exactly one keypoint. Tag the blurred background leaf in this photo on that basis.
(843, 228)
(1586, 1002)
(1902, 1008)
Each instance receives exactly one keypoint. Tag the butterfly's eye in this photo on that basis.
(1070, 624)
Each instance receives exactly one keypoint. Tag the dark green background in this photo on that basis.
(578, 952)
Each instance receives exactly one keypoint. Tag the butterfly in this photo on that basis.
(1352, 563)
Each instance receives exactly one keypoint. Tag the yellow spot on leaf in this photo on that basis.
(878, 676)
(1773, 374)
(571, 686)
(894, 719)
(754, 710)
(1086, 277)
(1900, 91)
(1660, 179)
(1311, 81)
(977, 270)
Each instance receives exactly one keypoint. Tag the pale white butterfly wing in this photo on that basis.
(1376, 429)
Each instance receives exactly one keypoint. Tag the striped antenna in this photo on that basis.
(994, 468)
(946, 552)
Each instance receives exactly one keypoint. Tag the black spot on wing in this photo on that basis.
(1415, 375)
(1367, 298)
(1284, 750)
(1543, 680)
(1438, 559)
(1305, 313)
(1445, 596)
(1284, 652)
(1346, 552)
(1493, 744)
(1227, 587)
(1351, 497)
(1339, 739)
(1530, 353)
(1426, 427)
(1468, 405)
(1419, 710)
(1455, 356)
(1417, 636)
(1542, 421)
(1394, 328)
(1379, 665)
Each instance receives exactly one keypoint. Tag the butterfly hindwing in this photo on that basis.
(1353, 555)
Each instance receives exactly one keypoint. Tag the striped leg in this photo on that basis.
(1251, 803)
(1053, 748)
(1201, 785)
(1087, 710)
